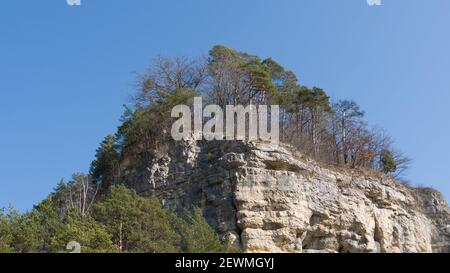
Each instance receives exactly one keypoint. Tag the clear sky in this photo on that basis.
(65, 72)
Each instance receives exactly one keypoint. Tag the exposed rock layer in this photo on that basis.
(267, 199)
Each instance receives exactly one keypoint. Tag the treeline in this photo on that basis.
(119, 221)
(331, 132)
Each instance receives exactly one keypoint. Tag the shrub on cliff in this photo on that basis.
(199, 237)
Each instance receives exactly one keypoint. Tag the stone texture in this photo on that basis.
(268, 199)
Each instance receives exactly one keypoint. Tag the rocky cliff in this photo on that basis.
(270, 199)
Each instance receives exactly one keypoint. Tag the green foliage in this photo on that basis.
(34, 231)
(47, 228)
(388, 162)
(285, 82)
(314, 99)
(104, 167)
(317, 98)
(25, 232)
(199, 237)
(121, 222)
(141, 224)
(137, 224)
(145, 129)
(46, 220)
(91, 235)
(239, 78)
(5, 234)
(79, 193)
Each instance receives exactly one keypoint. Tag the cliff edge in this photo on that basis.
(272, 199)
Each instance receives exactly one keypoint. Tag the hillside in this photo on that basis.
(327, 182)
(268, 199)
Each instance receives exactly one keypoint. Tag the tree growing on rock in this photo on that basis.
(388, 163)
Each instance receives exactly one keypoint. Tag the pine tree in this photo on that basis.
(387, 161)
(26, 232)
(5, 234)
(91, 235)
(199, 237)
(137, 224)
(106, 164)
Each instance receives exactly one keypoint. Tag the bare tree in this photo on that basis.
(403, 163)
(348, 123)
(168, 75)
(81, 193)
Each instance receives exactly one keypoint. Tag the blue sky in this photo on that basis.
(65, 72)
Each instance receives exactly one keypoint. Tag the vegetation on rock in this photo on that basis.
(103, 215)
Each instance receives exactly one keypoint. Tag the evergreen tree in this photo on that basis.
(91, 235)
(80, 193)
(137, 224)
(199, 237)
(47, 222)
(25, 232)
(5, 234)
(387, 161)
(238, 77)
(106, 164)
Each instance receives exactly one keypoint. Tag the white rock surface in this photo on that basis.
(266, 199)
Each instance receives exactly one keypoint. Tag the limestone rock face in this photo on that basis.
(269, 199)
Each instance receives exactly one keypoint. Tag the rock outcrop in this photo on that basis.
(270, 199)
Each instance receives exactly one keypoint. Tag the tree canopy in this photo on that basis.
(121, 221)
